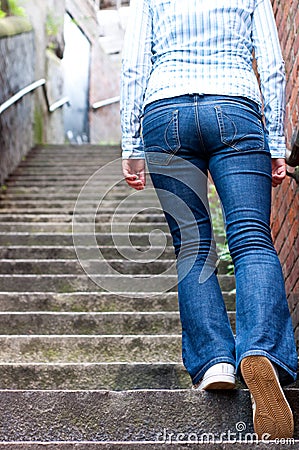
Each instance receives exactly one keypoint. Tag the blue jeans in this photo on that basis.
(185, 138)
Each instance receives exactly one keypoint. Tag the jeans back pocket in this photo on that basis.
(240, 127)
(160, 134)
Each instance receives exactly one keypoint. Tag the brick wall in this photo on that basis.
(285, 211)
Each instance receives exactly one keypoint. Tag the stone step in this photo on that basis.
(73, 157)
(60, 356)
(114, 283)
(84, 216)
(67, 168)
(172, 442)
(100, 227)
(18, 191)
(69, 252)
(68, 162)
(45, 195)
(71, 161)
(95, 376)
(61, 239)
(71, 193)
(47, 182)
(130, 204)
(84, 212)
(128, 416)
(90, 376)
(67, 218)
(86, 323)
(95, 302)
(79, 150)
(90, 348)
(56, 176)
(73, 266)
(78, 175)
(48, 160)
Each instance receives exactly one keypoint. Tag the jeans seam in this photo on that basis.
(200, 138)
(174, 122)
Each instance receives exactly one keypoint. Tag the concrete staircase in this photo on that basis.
(82, 367)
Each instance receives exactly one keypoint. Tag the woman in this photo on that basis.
(188, 84)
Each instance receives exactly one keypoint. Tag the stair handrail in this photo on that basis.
(108, 101)
(26, 90)
(292, 157)
(30, 88)
(56, 105)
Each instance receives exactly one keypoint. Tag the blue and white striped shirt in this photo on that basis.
(177, 47)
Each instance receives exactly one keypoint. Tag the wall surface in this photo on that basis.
(30, 49)
(17, 56)
(47, 18)
(104, 78)
(285, 216)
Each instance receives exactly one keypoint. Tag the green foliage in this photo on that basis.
(15, 8)
(53, 25)
(11, 8)
(219, 229)
(38, 126)
(2, 13)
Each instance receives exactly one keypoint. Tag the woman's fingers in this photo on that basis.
(278, 171)
(134, 172)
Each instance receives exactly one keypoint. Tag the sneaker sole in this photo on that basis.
(273, 415)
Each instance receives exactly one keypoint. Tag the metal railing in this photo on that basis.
(108, 101)
(27, 90)
(16, 97)
(292, 158)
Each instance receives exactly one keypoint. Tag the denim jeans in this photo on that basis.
(185, 138)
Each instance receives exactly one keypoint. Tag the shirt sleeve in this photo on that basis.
(272, 75)
(136, 67)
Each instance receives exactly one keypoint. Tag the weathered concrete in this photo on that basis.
(94, 302)
(97, 340)
(125, 416)
(47, 17)
(17, 55)
(81, 283)
(67, 228)
(148, 445)
(73, 266)
(89, 376)
(107, 323)
(85, 349)
(68, 252)
(11, 26)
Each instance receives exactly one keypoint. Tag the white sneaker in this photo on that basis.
(219, 376)
(272, 414)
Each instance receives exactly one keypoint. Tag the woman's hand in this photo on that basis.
(278, 171)
(134, 173)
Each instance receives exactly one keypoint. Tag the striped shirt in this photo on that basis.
(178, 47)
